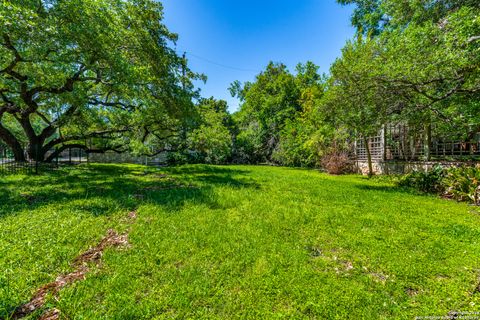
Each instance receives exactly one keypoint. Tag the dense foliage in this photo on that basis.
(429, 181)
(101, 75)
(458, 183)
(412, 62)
(95, 74)
(279, 120)
(418, 63)
(209, 138)
(463, 184)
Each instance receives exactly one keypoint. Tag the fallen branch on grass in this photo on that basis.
(81, 268)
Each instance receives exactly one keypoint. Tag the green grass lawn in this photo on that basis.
(237, 242)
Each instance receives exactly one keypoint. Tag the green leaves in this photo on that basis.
(426, 71)
(372, 17)
(274, 100)
(463, 184)
(87, 66)
(212, 139)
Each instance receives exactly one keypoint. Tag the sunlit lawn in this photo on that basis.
(237, 242)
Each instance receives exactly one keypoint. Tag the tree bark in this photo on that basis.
(369, 157)
(18, 152)
(36, 151)
(12, 142)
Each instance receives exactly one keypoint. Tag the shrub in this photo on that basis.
(463, 184)
(426, 181)
(336, 162)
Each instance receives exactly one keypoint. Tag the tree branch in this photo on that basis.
(157, 152)
(57, 152)
(127, 107)
(67, 86)
(17, 58)
(99, 134)
(473, 39)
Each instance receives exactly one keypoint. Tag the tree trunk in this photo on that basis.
(18, 153)
(36, 151)
(17, 150)
(369, 157)
(12, 142)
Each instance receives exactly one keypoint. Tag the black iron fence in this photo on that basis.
(8, 164)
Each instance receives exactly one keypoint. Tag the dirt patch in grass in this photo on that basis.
(31, 199)
(379, 277)
(172, 187)
(93, 255)
(477, 287)
(81, 265)
(412, 292)
(53, 314)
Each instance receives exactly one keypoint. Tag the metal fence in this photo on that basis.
(71, 156)
(8, 165)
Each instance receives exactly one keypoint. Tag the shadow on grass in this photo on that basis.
(86, 187)
(104, 190)
(393, 189)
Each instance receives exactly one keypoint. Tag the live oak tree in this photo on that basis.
(434, 65)
(427, 53)
(94, 74)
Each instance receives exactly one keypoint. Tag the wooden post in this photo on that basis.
(384, 148)
(428, 141)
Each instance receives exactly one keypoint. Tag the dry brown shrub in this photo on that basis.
(336, 162)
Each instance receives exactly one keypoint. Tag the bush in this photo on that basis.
(336, 162)
(425, 181)
(463, 184)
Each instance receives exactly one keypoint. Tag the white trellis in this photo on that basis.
(399, 143)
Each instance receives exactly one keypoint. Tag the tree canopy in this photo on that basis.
(96, 74)
(418, 62)
(102, 75)
(375, 16)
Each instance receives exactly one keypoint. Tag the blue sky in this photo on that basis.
(230, 40)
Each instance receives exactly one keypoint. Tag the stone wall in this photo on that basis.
(403, 167)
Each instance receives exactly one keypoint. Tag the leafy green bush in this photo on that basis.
(463, 184)
(426, 181)
(459, 183)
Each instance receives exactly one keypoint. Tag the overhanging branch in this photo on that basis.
(56, 153)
